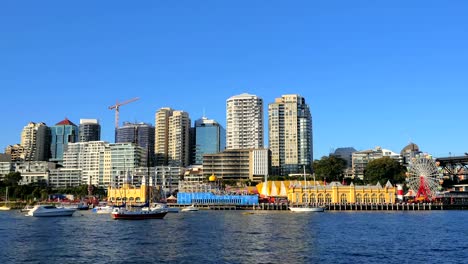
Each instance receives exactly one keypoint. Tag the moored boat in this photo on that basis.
(27, 208)
(306, 209)
(103, 209)
(144, 213)
(6, 206)
(191, 208)
(164, 206)
(50, 211)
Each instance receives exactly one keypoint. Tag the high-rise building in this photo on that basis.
(172, 138)
(89, 158)
(89, 130)
(179, 139)
(161, 141)
(141, 134)
(210, 138)
(62, 133)
(35, 138)
(244, 122)
(290, 134)
(125, 157)
(16, 152)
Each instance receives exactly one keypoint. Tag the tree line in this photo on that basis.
(40, 190)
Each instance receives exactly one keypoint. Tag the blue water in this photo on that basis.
(236, 237)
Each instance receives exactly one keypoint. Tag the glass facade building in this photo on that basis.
(62, 133)
(141, 134)
(210, 138)
(89, 130)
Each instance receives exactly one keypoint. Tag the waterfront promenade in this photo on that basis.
(336, 206)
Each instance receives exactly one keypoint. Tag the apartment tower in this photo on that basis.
(290, 134)
(244, 122)
(35, 138)
(172, 138)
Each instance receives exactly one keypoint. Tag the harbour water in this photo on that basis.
(238, 237)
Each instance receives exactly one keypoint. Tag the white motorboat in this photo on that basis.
(164, 206)
(50, 211)
(103, 209)
(191, 208)
(27, 208)
(306, 209)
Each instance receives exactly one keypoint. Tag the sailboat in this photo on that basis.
(305, 207)
(6, 206)
(125, 213)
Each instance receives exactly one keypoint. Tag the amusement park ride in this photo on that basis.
(422, 176)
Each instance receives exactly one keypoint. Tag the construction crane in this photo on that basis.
(117, 107)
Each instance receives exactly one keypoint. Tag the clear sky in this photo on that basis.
(375, 73)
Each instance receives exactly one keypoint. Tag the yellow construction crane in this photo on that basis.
(117, 107)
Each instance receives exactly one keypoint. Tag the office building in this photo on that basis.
(290, 134)
(89, 130)
(141, 134)
(125, 157)
(210, 138)
(244, 122)
(237, 164)
(62, 133)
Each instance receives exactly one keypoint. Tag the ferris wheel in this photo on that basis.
(422, 176)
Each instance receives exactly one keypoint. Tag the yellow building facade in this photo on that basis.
(310, 192)
(128, 194)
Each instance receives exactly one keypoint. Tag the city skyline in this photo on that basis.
(369, 78)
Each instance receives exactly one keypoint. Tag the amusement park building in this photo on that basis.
(128, 193)
(334, 192)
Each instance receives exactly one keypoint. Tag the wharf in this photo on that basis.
(335, 206)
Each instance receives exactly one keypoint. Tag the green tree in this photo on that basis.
(12, 179)
(383, 170)
(330, 168)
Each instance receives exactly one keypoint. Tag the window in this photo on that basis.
(366, 198)
(343, 198)
(320, 198)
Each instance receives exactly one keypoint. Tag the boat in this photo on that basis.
(305, 207)
(142, 214)
(191, 208)
(27, 208)
(6, 205)
(164, 206)
(50, 211)
(107, 209)
(82, 206)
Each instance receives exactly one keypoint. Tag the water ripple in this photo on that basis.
(231, 237)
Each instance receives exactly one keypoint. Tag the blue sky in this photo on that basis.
(375, 73)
